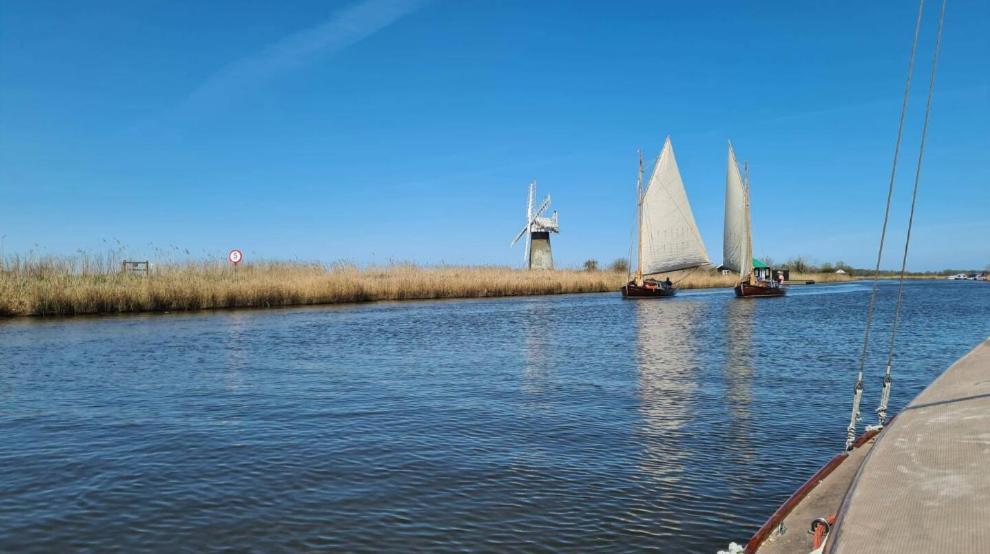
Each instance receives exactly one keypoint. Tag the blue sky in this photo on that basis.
(382, 130)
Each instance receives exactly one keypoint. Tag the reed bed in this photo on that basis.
(86, 285)
(56, 287)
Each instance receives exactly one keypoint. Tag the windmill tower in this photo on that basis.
(537, 232)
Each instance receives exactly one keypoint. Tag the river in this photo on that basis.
(570, 423)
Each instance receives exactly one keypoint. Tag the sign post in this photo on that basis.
(235, 257)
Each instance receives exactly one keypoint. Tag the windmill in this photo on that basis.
(537, 232)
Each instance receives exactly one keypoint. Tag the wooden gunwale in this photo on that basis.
(799, 495)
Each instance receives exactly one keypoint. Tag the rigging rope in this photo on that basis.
(686, 275)
(885, 395)
(858, 389)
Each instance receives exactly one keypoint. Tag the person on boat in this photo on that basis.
(780, 278)
(667, 284)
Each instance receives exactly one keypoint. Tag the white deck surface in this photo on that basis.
(925, 486)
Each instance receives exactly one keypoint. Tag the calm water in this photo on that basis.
(570, 423)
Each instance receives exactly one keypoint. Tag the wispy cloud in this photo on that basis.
(345, 28)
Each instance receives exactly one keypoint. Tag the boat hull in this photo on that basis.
(746, 290)
(632, 290)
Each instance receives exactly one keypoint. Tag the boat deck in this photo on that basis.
(925, 486)
(792, 534)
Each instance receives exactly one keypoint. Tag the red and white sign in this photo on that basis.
(235, 256)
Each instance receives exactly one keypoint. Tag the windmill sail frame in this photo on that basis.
(537, 253)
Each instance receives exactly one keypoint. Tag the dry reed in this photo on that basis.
(57, 287)
(82, 285)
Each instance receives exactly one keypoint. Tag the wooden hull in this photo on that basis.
(632, 290)
(746, 290)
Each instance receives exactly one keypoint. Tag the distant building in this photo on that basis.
(760, 271)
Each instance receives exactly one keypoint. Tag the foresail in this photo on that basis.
(735, 241)
(671, 240)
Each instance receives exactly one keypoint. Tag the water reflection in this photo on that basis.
(667, 358)
(539, 325)
(740, 325)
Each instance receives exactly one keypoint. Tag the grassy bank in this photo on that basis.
(72, 286)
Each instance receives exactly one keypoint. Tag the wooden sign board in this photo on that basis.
(137, 268)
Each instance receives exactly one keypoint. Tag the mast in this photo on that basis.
(639, 223)
(748, 253)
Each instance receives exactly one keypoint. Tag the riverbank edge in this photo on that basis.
(288, 295)
(248, 308)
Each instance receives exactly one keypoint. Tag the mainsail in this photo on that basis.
(737, 244)
(669, 237)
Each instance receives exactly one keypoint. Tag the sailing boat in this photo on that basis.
(668, 236)
(737, 244)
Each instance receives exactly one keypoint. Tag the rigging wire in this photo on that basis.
(885, 394)
(858, 388)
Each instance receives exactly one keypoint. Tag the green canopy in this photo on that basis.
(758, 264)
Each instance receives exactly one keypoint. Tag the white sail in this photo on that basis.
(736, 244)
(669, 236)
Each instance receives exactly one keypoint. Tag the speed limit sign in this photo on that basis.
(235, 256)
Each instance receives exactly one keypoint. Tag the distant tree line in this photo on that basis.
(801, 264)
(619, 265)
(798, 264)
